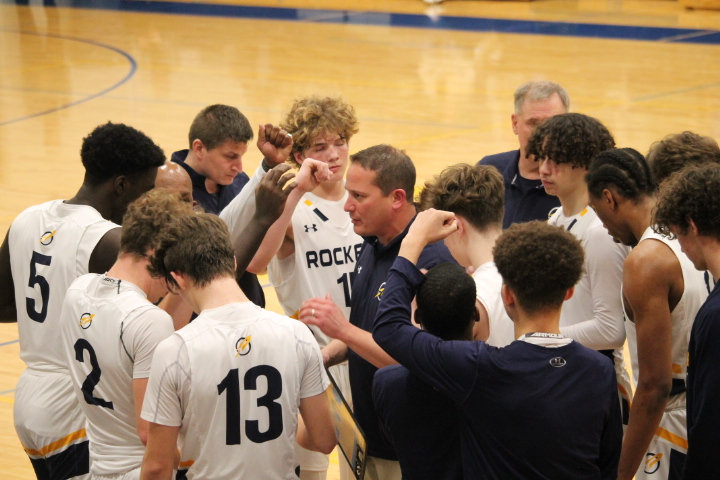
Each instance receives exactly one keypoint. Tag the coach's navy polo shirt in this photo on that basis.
(525, 199)
(367, 287)
(214, 203)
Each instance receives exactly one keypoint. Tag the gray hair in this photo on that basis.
(540, 90)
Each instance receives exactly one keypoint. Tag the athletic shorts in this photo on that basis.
(665, 456)
(51, 426)
(131, 475)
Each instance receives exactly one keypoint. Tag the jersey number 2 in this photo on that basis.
(231, 384)
(40, 281)
(93, 377)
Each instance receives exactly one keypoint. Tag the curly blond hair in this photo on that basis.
(313, 116)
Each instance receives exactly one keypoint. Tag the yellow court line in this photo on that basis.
(7, 399)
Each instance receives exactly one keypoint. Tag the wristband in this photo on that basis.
(265, 166)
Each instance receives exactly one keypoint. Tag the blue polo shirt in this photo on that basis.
(525, 199)
(367, 289)
(526, 411)
(214, 203)
(703, 390)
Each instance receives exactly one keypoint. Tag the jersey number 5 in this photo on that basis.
(40, 281)
(231, 384)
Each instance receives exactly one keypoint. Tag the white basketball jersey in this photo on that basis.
(232, 380)
(682, 316)
(488, 283)
(50, 246)
(326, 249)
(595, 309)
(109, 332)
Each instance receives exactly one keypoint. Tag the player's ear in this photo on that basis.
(298, 157)
(196, 146)
(569, 293)
(182, 280)
(120, 184)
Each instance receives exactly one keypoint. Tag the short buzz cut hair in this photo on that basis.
(539, 90)
(446, 301)
(676, 151)
(196, 245)
(115, 149)
(147, 216)
(393, 168)
(571, 138)
(312, 116)
(476, 192)
(539, 263)
(693, 193)
(216, 124)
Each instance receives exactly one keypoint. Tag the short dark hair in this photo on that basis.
(539, 262)
(115, 149)
(446, 301)
(571, 138)
(393, 168)
(196, 245)
(676, 151)
(216, 124)
(622, 168)
(476, 192)
(147, 216)
(693, 193)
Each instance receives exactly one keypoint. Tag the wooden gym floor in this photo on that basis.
(436, 81)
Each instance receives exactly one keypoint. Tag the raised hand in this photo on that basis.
(274, 143)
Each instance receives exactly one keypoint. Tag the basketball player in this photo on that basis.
(662, 293)
(380, 183)
(46, 248)
(110, 329)
(311, 251)
(679, 150)
(564, 146)
(228, 385)
(525, 198)
(475, 196)
(543, 407)
(687, 207)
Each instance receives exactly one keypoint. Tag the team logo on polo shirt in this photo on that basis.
(381, 290)
(242, 346)
(652, 462)
(47, 237)
(557, 362)
(86, 320)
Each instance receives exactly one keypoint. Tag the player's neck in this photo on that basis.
(480, 245)
(575, 201)
(332, 191)
(218, 292)
(640, 216)
(133, 269)
(546, 321)
(96, 197)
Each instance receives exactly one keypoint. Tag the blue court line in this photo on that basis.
(474, 24)
(9, 343)
(127, 56)
(4, 392)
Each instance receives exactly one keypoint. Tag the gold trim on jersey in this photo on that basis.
(672, 437)
(57, 444)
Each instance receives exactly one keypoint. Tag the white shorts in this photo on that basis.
(665, 456)
(131, 475)
(50, 425)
